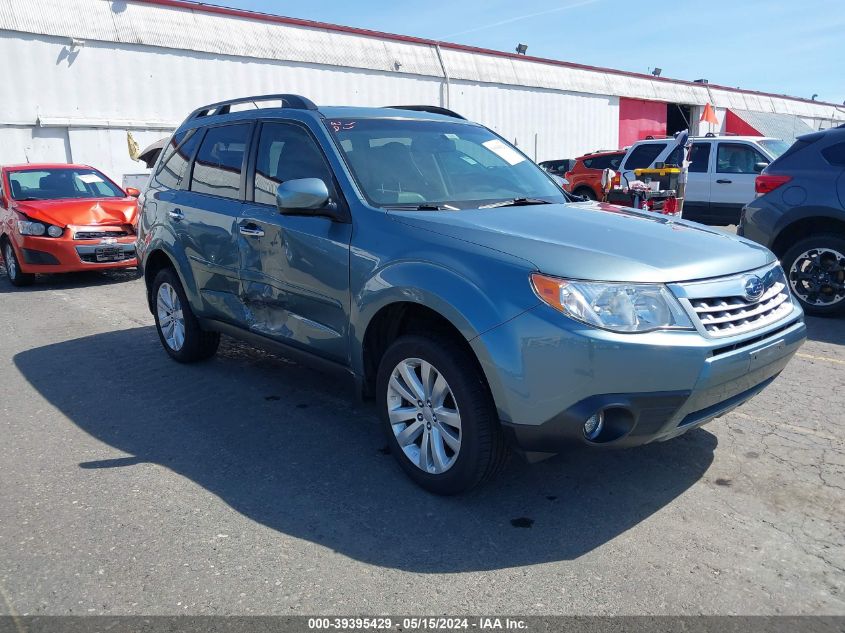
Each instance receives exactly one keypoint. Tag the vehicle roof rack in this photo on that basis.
(431, 109)
(296, 102)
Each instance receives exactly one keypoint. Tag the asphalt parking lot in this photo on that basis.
(250, 484)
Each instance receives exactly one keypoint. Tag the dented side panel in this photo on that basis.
(295, 280)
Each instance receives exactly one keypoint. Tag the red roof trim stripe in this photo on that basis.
(278, 19)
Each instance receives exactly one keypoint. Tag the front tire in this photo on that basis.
(17, 278)
(815, 268)
(438, 414)
(178, 329)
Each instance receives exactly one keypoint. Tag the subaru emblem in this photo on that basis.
(754, 288)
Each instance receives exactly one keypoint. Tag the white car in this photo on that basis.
(721, 173)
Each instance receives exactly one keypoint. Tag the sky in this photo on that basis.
(778, 46)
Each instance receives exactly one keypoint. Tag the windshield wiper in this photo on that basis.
(30, 199)
(422, 207)
(515, 202)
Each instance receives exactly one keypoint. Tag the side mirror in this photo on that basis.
(131, 191)
(759, 167)
(303, 194)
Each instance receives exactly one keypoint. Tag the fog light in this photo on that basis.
(594, 425)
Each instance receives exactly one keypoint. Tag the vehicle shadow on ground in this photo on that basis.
(826, 329)
(69, 281)
(288, 448)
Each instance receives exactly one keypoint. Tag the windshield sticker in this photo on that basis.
(90, 179)
(337, 126)
(508, 154)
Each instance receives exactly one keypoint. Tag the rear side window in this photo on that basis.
(675, 157)
(798, 146)
(603, 162)
(835, 154)
(219, 162)
(173, 167)
(555, 166)
(738, 158)
(699, 158)
(287, 152)
(643, 155)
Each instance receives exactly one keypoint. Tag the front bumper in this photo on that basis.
(63, 254)
(547, 379)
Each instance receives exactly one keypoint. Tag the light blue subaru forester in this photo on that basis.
(430, 260)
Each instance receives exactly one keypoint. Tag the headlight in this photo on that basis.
(621, 307)
(54, 231)
(31, 228)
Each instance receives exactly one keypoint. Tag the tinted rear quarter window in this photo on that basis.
(835, 154)
(173, 166)
(797, 147)
(643, 155)
(699, 158)
(219, 162)
(675, 157)
(600, 162)
(603, 162)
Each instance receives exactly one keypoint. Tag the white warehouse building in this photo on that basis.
(83, 77)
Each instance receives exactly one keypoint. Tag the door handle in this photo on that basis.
(251, 230)
(176, 215)
(722, 181)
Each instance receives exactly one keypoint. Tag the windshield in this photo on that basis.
(61, 183)
(775, 147)
(433, 163)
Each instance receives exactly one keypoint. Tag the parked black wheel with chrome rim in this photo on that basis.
(815, 267)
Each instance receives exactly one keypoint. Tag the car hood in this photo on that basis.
(88, 212)
(599, 241)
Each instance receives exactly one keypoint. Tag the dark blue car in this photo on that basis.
(799, 213)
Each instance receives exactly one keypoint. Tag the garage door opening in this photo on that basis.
(678, 117)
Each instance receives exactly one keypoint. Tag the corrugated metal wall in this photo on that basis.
(143, 67)
(103, 90)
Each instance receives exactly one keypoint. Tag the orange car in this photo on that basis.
(585, 177)
(64, 218)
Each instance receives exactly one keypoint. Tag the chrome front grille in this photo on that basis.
(731, 311)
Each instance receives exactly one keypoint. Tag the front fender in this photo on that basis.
(467, 304)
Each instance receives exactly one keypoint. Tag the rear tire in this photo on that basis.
(178, 329)
(815, 268)
(586, 192)
(13, 267)
(438, 455)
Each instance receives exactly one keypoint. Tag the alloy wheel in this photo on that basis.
(170, 317)
(817, 276)
(424, 415)
(9, 259)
